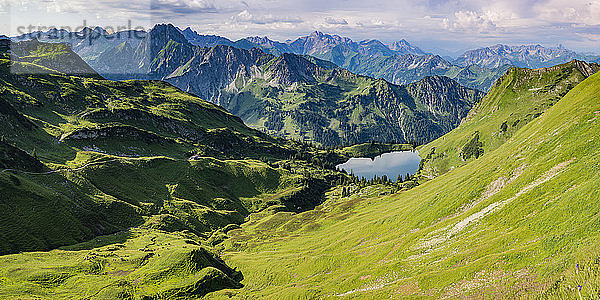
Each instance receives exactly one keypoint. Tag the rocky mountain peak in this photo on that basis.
(166, 32)
(404, 47)
(290, 68)
(316, 33)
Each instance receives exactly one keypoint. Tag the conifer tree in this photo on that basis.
(399, 179)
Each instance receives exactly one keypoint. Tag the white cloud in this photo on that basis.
(472, 22)
(469, 21)
(335, 21)
(246, 17)
(575, 11)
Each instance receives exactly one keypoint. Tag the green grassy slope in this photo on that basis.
(520, 96)
(107, 155)
(135, 182)
(59, 57)
(127, 265)
(521, 220)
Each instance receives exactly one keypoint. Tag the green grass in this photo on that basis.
(420, 242)
(127, 265)
(112, 155)
(101, 170)
(135, 218)
(519, 97)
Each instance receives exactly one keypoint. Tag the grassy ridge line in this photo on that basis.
(519, 97)
(59, 170)
(541, 181)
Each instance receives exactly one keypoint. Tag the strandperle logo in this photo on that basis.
(86, 41)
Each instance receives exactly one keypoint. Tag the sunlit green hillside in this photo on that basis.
(521, 220)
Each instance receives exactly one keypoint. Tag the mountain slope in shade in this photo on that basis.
(57, 56)
(119, 59)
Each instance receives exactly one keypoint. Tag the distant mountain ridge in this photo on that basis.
(402, 63)
(398, 62)
(316, 44)
(523, 56)
(404, 47)
(302, 97)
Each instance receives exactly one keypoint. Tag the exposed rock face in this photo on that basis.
(114, 132)
(208, 71)
(443, 96)
(403, 47)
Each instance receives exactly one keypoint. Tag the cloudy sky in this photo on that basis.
(451, 25)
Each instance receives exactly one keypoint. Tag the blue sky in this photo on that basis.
(435, 24)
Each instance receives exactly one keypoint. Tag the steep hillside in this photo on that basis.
(134, 153)
(119, 190)
(520, 96)
(59, 57)
(519, 222)
(336, 107)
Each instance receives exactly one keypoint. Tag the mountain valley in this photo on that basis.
(167, 164)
